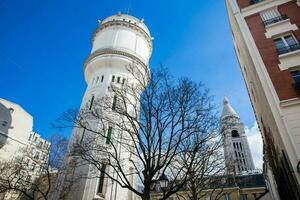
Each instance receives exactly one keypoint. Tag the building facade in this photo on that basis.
(238, 157)
(266, 38)
(18, 140)
(17, 136)
(119, 41)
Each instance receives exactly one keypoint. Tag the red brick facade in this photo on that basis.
(282, 80)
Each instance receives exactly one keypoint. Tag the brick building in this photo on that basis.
(266, 37)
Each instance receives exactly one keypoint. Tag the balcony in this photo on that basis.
(275, 20)
(288, 49)
(255, 1)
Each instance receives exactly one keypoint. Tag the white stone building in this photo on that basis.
(238, 156)
(119, 41)
(18, 139)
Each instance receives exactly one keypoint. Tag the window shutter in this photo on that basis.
(270, 14)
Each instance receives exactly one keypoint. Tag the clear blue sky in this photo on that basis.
(44, 45)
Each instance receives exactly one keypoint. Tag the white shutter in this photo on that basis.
(269, 14)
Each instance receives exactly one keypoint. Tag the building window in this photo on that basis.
(37, 155)
(255, 1)
(241, 146)
(33, 166)
(118, 79)
(109, 135)
(272, 16)
(92, 101)
(101, 179)
(102, 78)
(113, 78)
(244, 197)
(28, 178)
(97, 79)
(296, 77)
(235, 133)
(123, 81)
(114, 103)
(287, 43)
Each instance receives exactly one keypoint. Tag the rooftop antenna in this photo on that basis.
(128, 9)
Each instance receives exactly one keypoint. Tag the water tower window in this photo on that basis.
(114, 102)
(101, 179)
(109, 135)
(235, 133)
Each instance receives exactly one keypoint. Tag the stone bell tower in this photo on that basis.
(238, 156)
(119, 41)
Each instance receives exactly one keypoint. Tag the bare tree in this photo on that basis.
(28, 177)
(157, 123)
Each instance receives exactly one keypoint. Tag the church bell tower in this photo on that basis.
(238, 156)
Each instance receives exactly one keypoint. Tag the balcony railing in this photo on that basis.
(275, 20)
(288, 49)
(255, 1)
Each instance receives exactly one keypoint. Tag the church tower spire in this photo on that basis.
(237, 153)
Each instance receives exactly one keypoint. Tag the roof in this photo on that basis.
(128, 18)
(228, 181)
(228, 110)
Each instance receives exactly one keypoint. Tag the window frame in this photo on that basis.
(282, 37)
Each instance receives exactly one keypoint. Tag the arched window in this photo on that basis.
(235, 133)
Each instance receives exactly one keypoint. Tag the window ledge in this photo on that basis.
(280, 27)
(290, 59)
(97, 197)
(277, 23)
(290, 102)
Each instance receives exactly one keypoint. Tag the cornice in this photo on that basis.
(124, 24)
(114, 52)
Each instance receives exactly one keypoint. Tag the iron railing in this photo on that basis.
(288, 49)
(275, 20)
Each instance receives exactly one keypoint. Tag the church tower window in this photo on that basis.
(235, 133)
